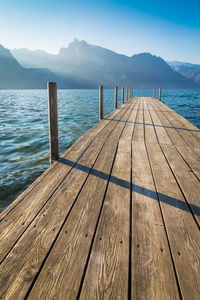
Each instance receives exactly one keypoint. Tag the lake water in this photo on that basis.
(24, 136)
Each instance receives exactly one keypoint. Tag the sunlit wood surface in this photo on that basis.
(117, 217)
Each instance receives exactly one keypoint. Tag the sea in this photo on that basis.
(24, 133)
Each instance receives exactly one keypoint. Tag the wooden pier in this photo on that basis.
(116, 217)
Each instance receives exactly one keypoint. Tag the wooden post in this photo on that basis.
(100, 102)
(127, 94)
(154, 93)
(122, 95)
(116, 92)
(160, 91)
(53, 121)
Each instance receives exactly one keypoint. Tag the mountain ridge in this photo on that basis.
(83, 65)
(189, 70)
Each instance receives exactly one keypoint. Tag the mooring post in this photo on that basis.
(53, 121)
(116, 92)
(122, 95)
(154, 93)
(160, 91)
(100, 102)
(127, 94)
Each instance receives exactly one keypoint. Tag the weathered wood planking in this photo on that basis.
(179, 222)
(81, 223)
(116, 217)
(150, 252)
(54, 212)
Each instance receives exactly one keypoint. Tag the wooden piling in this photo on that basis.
(116, 92)
(53, 121)
(127, 94)
(100, 102)
(154, 93)
(160, 92)
(122, 95)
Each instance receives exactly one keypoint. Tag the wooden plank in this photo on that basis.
(159, 129)
(44, 229)
(184, 132)
(182, 231)
(138, 134)
(180, 224)
(150, 136)
(152, 268)
(150, 251)
(83, 142)
(107, 273)
(189, 183)
(72, 248)
(182, 147)
(24, 213)
(184, 123)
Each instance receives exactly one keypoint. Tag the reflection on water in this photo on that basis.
(24, 144)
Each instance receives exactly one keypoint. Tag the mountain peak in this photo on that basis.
(76, 41)
(5, 52)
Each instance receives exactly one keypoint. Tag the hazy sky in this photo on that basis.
(170, 29)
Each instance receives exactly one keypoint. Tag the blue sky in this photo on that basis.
(170, 29)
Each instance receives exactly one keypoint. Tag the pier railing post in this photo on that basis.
(127, 94)
(53, 121)
(116, 92)
(160, 93)
(123, 95)
(100, 102)
(154, 93)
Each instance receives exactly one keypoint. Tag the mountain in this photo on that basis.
(85, 65)
(81, 65)
(191, 71)
(14, 76)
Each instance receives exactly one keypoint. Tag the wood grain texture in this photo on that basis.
(184, 123)
(85, 140)
(185, 133)
(83, 229)
(189, 183)
(190, 157)
(180, 225)
(107, 272)
(26, 210)
(152, 268)
(45, 227)
(73, 244)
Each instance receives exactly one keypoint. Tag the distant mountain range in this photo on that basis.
(191, 71)
(81, 65)
(14, 76)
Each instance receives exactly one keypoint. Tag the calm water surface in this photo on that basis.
(24, 136)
